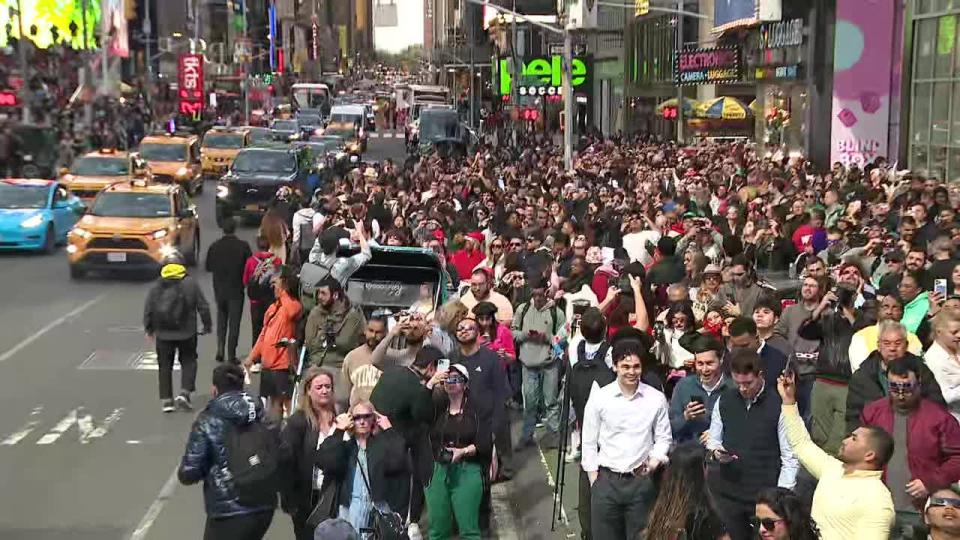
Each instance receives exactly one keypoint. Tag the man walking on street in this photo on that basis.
(226, 259)
(170, 320)
(626, 437)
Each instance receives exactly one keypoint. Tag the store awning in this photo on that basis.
(724, 108)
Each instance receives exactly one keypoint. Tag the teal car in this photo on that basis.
(36, 215)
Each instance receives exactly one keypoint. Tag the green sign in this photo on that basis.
(542, 76)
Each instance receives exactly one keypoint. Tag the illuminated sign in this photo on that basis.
(670, 113)
(781, 34)
(190, 85)
(707, 66)
(55, 21)
(767, 73)
(8, 98)
(543, 76)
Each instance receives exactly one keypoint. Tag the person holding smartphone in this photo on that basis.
(694, 397)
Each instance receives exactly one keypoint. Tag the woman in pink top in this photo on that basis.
(493, 335)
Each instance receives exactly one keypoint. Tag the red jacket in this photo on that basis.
(465, 261)
(933, 440)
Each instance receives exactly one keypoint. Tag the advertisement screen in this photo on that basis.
(47, 15)
(730, 13)
(115, 26)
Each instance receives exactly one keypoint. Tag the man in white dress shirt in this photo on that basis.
(626, 437)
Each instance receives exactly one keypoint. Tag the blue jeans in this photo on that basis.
(540, 387)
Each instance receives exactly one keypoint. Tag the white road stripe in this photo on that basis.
(552, 483)
(25, 430)
(153, 512)
(62, 426)
(50, 326)
(89, 430)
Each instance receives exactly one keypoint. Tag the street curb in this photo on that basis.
(504, 522)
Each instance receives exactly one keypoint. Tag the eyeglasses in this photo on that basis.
(363, 417)
(945, 501)
(902, 388)
(767, 524)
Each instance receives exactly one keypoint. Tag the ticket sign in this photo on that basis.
(707, 66)
(190, 85)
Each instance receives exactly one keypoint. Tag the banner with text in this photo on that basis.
(707, 66)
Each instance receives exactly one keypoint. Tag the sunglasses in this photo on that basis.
(902, 388)
(455, 380)
(766, 524)
(363, 417)
(944, 501)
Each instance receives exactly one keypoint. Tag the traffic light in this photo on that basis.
(130, 9)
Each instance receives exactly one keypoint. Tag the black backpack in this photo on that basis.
(585, 372)
(260, 286)
(171, 307)
(253, 460)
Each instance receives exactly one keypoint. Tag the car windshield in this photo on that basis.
(310, 121)
(342, 132)
(163, 152)
(284, 125)
(331, 139)
(258, 135)
(223, 140)
(101, 166)
(345, 118)
(13, 196)
(265, 162)
(136, 205)
(434, 127)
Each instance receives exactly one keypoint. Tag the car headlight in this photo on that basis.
(223, 191)
(82, 233)
(32, 222)
(354, 159)
(157, 235)
(183, 171)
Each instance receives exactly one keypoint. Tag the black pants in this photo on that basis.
(257, 312)
(735, 514)
(620, 505)
(503, 439)
(184, 350)
(302, 531)
(229, 313)
(583, 506)
(246, 527)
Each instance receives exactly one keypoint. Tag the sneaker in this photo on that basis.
(255, 368)
(167, 405)
(572, 456)
(540, 424)
(183, 402)
(413, 532)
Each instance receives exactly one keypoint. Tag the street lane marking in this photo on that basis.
(25, 430)
(59, 429)
(153, 512)
(553, 484)
(86, 426)
(50, 326)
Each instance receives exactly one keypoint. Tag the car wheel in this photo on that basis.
(199, 188)
(49, 240)
(191, 258)
(76, 273)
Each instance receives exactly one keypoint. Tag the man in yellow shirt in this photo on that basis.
(851, 500)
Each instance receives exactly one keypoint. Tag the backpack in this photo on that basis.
(310, 276)
(553, 316)
(585, 372)
(171, 307)
(253, 461)
(307, 238)
(260, 288)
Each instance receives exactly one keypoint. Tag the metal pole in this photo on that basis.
(104, 58)
(515, 75)
(473, 121)
(676, 58)
(567, 100)
(147, 32)
(87, 75)
(22, 53)
(246, 68)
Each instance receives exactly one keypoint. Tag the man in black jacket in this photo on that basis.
(170, 319)
(206, 458)
(226, 258)
(869, 382)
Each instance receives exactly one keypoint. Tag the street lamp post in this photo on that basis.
(22, 53)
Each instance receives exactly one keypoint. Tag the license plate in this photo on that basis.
(252, 207)
(116, 257)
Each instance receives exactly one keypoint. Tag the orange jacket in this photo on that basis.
(279, 322)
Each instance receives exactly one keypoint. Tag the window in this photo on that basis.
(920, 117)
(946, 46)
(940, 119)
(924, 45)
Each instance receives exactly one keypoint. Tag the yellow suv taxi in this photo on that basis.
(220, 147)
(174, 158)
(134, 225)
(91, 172)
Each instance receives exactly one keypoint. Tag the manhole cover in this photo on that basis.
(109, 359)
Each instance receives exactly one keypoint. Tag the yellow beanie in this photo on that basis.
(173, 271)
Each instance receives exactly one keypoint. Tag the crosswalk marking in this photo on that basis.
(59, 429)
(24, 430)
(385, 135)
(87, 428)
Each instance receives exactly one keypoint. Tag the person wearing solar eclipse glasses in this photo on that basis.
(942, 514)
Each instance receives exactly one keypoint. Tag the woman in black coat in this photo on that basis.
(306, 429)
(365, 438)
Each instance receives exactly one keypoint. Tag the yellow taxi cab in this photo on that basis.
(353, 137)
(174, 158)
(220, 147)
(91, 172)
(134, 225)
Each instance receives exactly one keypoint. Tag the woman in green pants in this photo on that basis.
(461, 451)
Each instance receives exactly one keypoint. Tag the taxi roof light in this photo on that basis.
(108, 150)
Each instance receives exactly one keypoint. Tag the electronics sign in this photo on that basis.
(707, 66)
(190, 85)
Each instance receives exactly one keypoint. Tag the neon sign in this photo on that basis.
(190, 87)
(8, 98)
(707, 66)
(543, 76)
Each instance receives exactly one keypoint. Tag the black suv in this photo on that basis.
(255, 176)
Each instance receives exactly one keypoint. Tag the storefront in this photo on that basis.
(934, 105)
(649, 45)
(775, 62)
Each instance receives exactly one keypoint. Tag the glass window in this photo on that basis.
(918, 158)
(938, 161)
(920, 117)
(955, 126)
(924, 45)
(953, 163)
(923, 6)
(946, 45)
(940, 120)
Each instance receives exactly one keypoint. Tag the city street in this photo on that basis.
(84, 450)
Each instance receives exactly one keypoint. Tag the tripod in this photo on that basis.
(561, 449)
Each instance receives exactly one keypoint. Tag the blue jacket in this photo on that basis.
(205, 457)
(688, 387)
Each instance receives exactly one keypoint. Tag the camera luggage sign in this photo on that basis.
(707, 66)
(190, 85)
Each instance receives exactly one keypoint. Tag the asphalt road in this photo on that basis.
(85, 452)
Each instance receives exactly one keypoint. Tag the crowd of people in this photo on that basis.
(730, 345)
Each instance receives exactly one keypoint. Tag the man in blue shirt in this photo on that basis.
(694, 396)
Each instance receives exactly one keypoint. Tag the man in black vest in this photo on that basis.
(748, 442)
(225, 259)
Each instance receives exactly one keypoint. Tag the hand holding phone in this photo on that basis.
(443, 364)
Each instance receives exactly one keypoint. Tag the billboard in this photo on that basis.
(543, 76)
(52, 19)
(863, 62)
(190, 85)
(707, 66)
(733, 13)
(115, 25)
